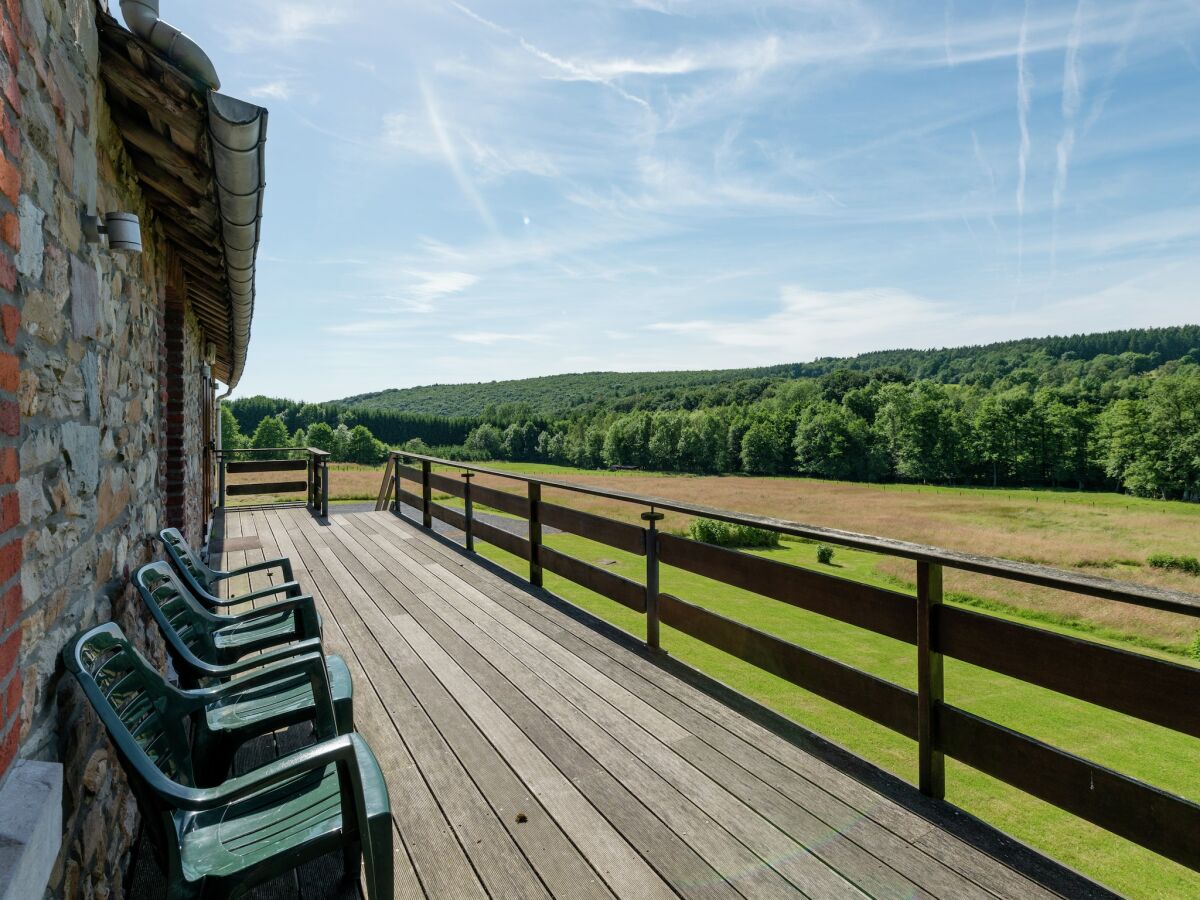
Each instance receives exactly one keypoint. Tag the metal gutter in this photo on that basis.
(238, 136)
(142, 18)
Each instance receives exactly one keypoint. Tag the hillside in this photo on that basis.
(551, 394)
(1057, 359)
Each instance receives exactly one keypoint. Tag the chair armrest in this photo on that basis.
(281, 562)
(291, 588)
(341, 750)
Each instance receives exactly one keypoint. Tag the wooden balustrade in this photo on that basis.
(1146, 687)
(313, 462)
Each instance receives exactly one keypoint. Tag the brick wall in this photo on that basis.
(11, 603)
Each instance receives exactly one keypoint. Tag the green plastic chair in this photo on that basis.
(222, 640)
(219, 842)
(205, 582)
(292, 696)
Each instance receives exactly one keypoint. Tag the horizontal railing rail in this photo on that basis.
(1145, 687)
(313, 462)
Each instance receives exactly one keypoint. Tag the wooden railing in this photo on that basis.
(1145, 687)
(313, 462)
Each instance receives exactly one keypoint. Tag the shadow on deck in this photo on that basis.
(531, 750)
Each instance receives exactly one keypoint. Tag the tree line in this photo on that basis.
(344, 444)
(882, 427)
(1117, 410)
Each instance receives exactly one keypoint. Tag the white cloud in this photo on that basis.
(284, 23)
(488, 338)
(812, 323)
(272, 90)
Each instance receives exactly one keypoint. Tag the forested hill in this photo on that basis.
(1120, 409)
(1051, 360)
(552, 394)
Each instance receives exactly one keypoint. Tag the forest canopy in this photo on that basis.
(1115, 410)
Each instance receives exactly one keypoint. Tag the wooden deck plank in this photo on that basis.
(371, 719)
(638, 776)
(636, 752)
(788, 766)
(421, 815)
(476, 769)
(838, 819)
(686, 765)
(599, 843)
(548, 722)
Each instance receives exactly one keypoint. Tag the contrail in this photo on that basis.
(576, 72)
(1072, 95)
(1024, 86)
(450, 152)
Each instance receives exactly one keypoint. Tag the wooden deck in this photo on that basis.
(532, 752)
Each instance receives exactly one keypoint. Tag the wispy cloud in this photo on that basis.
(567, 69)
(283, 23)
(488, 338)
(405, 134)
(450, 154)
(807, 320)
(1072, 94)
(1024, 100)
(278, 89)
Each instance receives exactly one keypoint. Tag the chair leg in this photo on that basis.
(351, 861)
(379, 861)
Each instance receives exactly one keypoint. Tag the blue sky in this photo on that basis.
(463, 191)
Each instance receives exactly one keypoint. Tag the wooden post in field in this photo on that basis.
(931, 766)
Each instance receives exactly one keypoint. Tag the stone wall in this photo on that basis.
(11, 601)
(92, 430)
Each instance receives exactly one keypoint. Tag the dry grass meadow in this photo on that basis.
(1105, 534)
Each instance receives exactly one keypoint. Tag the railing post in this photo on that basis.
(653, 518)
(426, 496)
(931, 766)
(535, 534)
(468, 511)
(311, 475)
(221, 457)
(325, 487)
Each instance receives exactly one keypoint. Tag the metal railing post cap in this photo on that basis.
(653, 516)
(467, 475)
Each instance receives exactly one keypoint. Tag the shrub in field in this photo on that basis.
(824, 554)
(1194, 650)
(1188, 564)
(727, 534)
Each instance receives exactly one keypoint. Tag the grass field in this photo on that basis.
(1109, 534)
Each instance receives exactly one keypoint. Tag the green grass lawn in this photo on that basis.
(1156, 755)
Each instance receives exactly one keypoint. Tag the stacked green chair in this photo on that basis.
(221, 841)
(280, 688)
(204, 581)
(218, 639)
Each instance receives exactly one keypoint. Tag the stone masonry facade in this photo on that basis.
(100, 402)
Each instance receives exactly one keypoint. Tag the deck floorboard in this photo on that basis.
(532, 752)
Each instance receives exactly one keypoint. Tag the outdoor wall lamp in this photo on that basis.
(123, 230)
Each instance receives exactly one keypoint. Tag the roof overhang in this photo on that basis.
(199, 157)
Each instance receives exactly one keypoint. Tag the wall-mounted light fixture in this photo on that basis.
(123, 230)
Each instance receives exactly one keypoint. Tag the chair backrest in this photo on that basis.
(185, 624)
(187, 561)
(145, 719)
